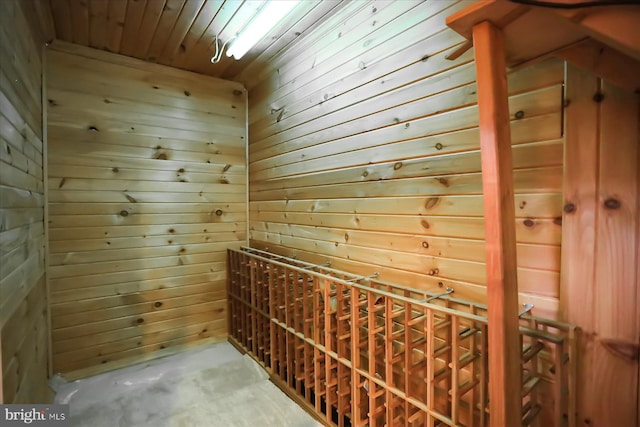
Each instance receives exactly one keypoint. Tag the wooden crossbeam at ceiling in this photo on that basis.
(604, 40)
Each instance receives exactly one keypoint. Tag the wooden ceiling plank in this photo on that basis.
(98, 11)
(115, 24)
(303, 26)
(133, 20)
(524, 41)
(240, 19)
(168, 19)
(579, 223)
(62, 19)
(352, 13)
(145, 33)
(186, 19)
(272, 37)
(217, 25)
(80, 21)
(205, 17)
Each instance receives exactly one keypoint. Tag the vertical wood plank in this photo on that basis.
(98, 12)
(600, 244)
(579, 221)
(80, 21)
(62, 19)
(204, 47)
(147, 28)
(133, 15)
(355, 355)
(273, 277)
(168, 19)
(616, 310)
(429, 356)
(497, 185)
(115, 24)
(205, 16)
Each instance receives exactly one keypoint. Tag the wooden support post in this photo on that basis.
(355, 358)
(273, 310)
(497, 183)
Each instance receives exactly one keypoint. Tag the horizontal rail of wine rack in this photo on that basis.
(363, 352)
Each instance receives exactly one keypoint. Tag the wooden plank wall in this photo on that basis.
(601, 246)
(23, 297)
(147, 183)
(364, 152)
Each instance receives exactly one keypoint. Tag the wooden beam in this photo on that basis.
(616, 26)
(605, 62)
(500, 13)
(617, 343)
(497, 183)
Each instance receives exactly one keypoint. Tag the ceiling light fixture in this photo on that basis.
(266, 18)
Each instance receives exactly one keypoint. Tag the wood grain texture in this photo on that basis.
(157, 168)
(362, 158)
(181, 33)
(579, 222)
(638, 279)
(599, 267)
(617, 347)
(23, 298)
(500, 239)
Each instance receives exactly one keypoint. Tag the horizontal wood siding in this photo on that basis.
(364, 152)
(23, 296)
(147, 190)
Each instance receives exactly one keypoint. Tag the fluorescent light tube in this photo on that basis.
(265, 20)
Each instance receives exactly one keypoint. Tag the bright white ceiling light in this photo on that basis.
(267, 18)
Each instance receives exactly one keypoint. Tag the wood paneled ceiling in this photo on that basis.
(181, 33)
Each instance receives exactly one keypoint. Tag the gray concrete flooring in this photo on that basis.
(209, 386)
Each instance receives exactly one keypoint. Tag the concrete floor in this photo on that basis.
(210, 386)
